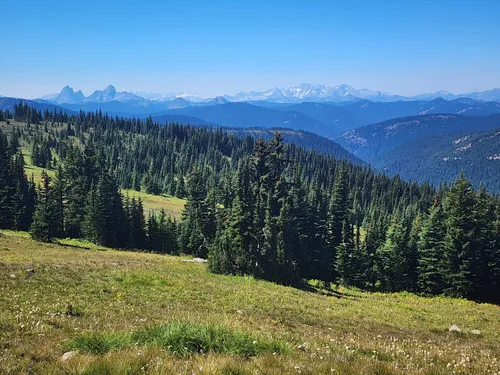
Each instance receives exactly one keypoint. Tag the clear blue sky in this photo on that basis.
(216, 47)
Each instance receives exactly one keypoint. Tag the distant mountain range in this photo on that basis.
(420, 140)
(304, 92)
(325, 119)
(69, 96)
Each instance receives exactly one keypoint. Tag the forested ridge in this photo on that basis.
(441, 157)
(263, 208)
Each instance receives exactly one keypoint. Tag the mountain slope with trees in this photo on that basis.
(254, 207)
(300, 138)
(359, 113)
(370, 141)
(440, 158)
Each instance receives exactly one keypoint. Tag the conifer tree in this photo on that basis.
(390, 257)
(104, 218)
(320, 255)
(42, 227)
(460, 253)
(346, 261)
(23, 197)
(180, 190)
(6, 184)
(482, 269)
(58, 199)
(432, 247)
(195, 237)
(337, 217)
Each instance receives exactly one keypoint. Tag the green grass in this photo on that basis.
(129, 307)
(181, 339)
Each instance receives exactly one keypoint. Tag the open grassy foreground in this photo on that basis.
(129, 313)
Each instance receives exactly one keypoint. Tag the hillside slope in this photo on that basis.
(9, 103)
(248, 115)
(364, 112)
(113, 293)
(370, 141)
(440, 158)
(300, 138)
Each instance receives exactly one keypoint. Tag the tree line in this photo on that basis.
(262, 208)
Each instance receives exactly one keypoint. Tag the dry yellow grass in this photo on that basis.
(154, 203)
(349, 332)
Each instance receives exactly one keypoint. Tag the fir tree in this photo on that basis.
(432, 247)
(337, 217)
(42, 227)
(6, 184)
(460, 238)
(390, 258)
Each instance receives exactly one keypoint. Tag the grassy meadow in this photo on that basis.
(173, 206)
(127, 313)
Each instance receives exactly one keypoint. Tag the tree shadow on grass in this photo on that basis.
(81, 246)
(326, 291)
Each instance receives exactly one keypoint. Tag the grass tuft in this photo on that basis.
(181, 339)
(99, 343)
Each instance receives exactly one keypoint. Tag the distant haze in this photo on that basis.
(224, 47)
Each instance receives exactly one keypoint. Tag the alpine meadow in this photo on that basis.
(210, 216)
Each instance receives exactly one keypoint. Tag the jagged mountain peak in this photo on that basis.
(218, 100)
(304, 92)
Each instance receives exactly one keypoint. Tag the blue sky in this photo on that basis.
(216, 47)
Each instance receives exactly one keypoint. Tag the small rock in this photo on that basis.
(475, 332)
(195, 260)
(302, 347)
(68, 355)
(199, 260)
(12, 276)
(239, 311)
(454, 328)
(30, 272)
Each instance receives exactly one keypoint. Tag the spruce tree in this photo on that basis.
(337, 216)
(104, 219)
(460, 252)
(390, 257)
(346, 261)
(482, 276)
(42, 227)
(432, 266)
(6, 184)
(180, 190)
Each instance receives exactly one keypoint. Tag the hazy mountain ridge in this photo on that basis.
(7, 103)
(247, 115)
(365, 112)
(326, 119)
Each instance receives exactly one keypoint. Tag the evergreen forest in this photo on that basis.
(275, 211)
